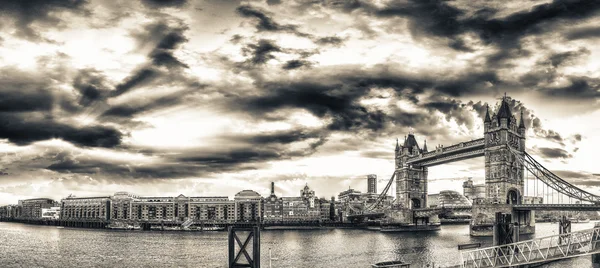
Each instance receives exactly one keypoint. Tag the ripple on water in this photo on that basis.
(44, 246)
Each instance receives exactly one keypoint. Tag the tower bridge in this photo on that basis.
(505, 162)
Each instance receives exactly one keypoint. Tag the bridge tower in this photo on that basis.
(411, 180)
(503, 173)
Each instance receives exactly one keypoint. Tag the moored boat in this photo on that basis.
(391, 264)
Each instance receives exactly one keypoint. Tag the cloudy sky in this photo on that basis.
(209, 97)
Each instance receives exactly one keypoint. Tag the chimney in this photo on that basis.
(272, 188)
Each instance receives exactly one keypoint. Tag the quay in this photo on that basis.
(180, 226)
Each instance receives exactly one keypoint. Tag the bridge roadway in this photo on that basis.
(557, 207)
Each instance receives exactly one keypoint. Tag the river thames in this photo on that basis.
(47, 246)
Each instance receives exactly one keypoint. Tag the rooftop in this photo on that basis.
(247, 194)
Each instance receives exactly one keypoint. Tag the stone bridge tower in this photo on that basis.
(503, 174)
(411, 180)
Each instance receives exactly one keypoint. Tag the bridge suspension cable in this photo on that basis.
(383, 193)
(552, 180)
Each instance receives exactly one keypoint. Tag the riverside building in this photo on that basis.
(32, 208)
(85, 208)
(248, 205)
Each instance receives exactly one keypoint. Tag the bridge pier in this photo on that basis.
(484, 218)
(406, 220)
(505, 231)
(564, 227)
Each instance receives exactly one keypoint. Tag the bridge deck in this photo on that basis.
(561, 207)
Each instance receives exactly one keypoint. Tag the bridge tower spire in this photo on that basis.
(411, 179)
(487, 121)
(504, 175)
(521, 123)
(397, 153)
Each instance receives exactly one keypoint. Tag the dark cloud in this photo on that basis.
(162, 55)
(377, 154)
(45, 12)
(516, 25)
(335, 97)
(550, 135)
(566, 57)
(236, 38)
(91, 86)
(545, 72)
(265, 23)
(439, 18)
(23, 129)
(281, 137)
(453, 109)
(468, 84)
(236, 152)
(166, 58)
(262, 52)
(115, 170)
(578, 178)
(426, 17)
(139, 78)
(148, 104)
(267, 148)
(295, 64)
(583, 33)
(320, 100)
(30, 110)
(233, 157)
(580, 88)
(24, 97)
(554, 153)
(163, 40)
(164, 3)
(330, 40)
(273, 2)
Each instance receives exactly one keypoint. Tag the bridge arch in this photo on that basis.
(513, 196)
(415, 203)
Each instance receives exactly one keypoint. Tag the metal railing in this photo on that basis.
(187, 223)
(543, 249)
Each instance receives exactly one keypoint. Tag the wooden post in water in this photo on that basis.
(252, 261)
(564, 227)
(503, 229)
(595, 245)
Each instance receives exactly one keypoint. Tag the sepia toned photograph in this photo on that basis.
(299, 133)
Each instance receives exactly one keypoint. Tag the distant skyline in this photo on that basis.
(211, 97)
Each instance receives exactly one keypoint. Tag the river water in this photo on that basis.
(24, 245)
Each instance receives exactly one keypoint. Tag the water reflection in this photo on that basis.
(44, 246)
